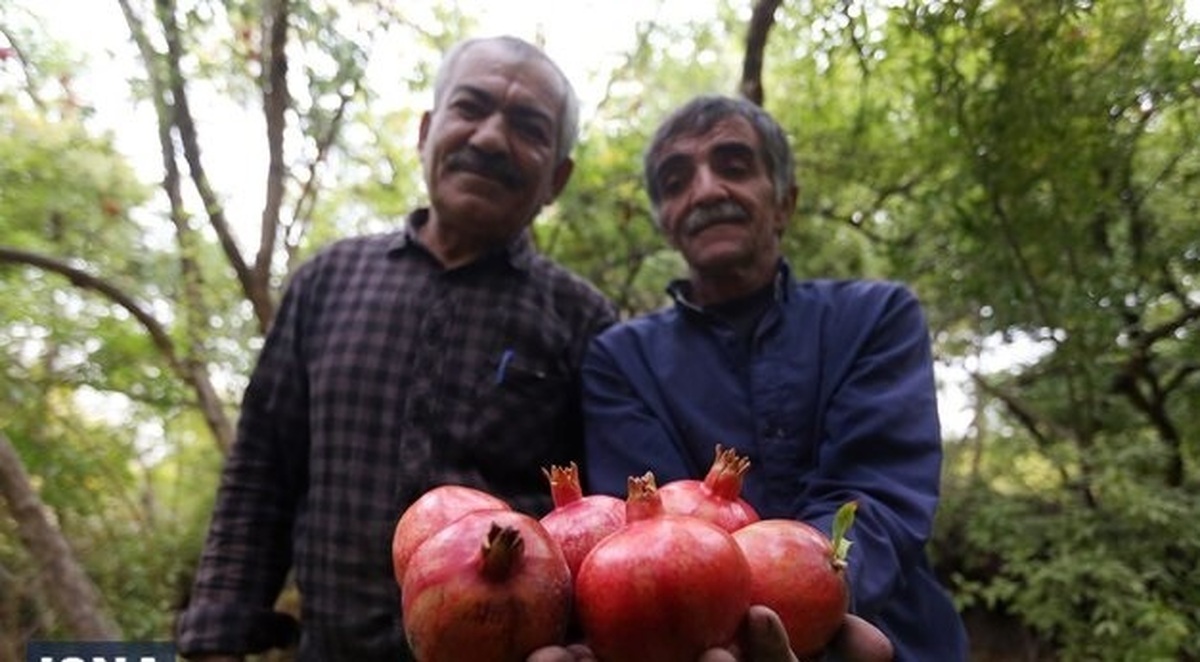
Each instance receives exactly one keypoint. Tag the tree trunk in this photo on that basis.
(69, 591)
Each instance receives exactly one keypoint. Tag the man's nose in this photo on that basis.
(708, 186)
(491, 135)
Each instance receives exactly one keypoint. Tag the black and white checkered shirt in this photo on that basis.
(383, 376)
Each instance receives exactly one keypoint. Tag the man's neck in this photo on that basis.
(451, 249)
(719, 286)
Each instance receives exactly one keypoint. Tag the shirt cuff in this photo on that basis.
(233, 629)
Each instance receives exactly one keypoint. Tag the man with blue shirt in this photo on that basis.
(826, 386)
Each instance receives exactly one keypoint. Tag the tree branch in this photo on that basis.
(87, 281)
(305, 203)
(30, 83)
(193, 373)
(182, 119)
(1032, 422)
(276, 100)
(194, 311)
(761, 20)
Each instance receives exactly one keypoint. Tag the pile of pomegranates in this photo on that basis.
(663, 575)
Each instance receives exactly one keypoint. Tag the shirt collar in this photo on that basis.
(517, 253)
(680, 289)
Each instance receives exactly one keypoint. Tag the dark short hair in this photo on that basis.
(568, 120)
(701, 114)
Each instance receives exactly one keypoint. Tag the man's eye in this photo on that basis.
(534, 132)
(670, 184)
(735, 166)
(468, 108)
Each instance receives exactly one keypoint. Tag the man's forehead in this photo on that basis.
(727, 132)
(490, 58)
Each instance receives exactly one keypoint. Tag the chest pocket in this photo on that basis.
(529, 377)
(511, 421)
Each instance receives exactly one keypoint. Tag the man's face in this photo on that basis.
(488, 147)
(718, 205)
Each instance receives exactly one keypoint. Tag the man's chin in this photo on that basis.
(473, 181)
(481, 195)
(481, 213)
(715, 265)
(717, 254)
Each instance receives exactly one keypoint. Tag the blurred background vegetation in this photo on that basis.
(1030, 167)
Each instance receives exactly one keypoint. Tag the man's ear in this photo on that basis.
(562, 174)
(787, 207)
(423, 132)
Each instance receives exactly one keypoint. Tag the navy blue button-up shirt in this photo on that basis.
(832, 399)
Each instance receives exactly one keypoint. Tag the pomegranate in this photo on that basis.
(578, 522)
(492, 586)
(430, 513)
(664, 587)
(800, 573)
(718, 497)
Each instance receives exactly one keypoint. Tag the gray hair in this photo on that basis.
(703, 113)
(568, 120)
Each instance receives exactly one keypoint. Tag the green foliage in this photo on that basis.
(848, 121)
(61, 187)
(68, 195)
(1117, 581)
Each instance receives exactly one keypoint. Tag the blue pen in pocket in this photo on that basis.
(505, 358)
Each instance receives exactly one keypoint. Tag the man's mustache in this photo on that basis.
(708, 215)
(492, 166)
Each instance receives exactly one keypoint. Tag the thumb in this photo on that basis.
(767, 638)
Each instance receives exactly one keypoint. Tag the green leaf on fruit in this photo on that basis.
(842, 521)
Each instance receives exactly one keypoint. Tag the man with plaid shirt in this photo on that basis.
(445, 352)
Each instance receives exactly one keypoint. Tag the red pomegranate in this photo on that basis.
(800, 573)
(578, 522)
(492, 586)
(665, 587)
(718, 497)
(432, 511)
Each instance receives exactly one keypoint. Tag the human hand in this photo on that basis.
(765, 633)
(572, 653)
(859, 641)
(764, 639)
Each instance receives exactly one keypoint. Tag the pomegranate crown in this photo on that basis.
(501, 552)
(727, 460)
(642, 487)
(643, 500)
(564, 483)
(557, 475)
